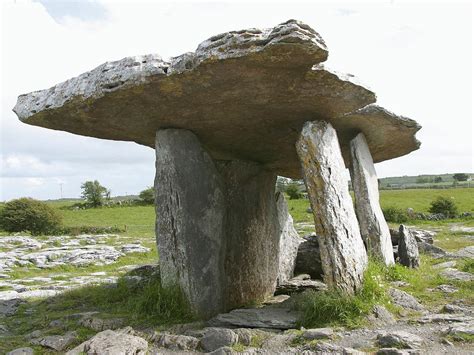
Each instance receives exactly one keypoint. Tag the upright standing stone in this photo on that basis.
(408, 248)
(289, 241)
(217, 225)
(373, 227)
(343, 254)
(190, 208)
(251, 232)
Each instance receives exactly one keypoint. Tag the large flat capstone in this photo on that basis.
(240, 92)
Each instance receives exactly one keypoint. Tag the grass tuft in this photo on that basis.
(332, 307)
(147, 302)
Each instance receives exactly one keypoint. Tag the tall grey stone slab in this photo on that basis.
(289, 241)
(343, 255)
(190, 229)
(373, 227)
(217, 225)
(251, 232)
(408, 253)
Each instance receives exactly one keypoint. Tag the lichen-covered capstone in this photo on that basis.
(343, 254)
(373, 227)
(240, 92)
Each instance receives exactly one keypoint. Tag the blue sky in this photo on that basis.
(416, 57)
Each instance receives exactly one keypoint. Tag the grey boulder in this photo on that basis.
(408, 248)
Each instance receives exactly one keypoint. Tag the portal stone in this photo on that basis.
(217, 225)
(190, 216)
(343, 254)
(373, 227)
(251, 232)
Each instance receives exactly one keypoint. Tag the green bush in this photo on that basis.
(293, 191)
(444, 205)
(395, 215)
(148, 196)
(29, 215)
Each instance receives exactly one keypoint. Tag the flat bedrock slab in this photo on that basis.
(272, 317)
(343, 253)
(251, 75)
(373, 227)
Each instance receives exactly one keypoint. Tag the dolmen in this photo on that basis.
(224, 121)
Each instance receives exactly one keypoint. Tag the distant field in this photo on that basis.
(418, 199)
(139, 220)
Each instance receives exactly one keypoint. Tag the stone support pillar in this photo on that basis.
(190, 213)
(217, 225)
(343, 255)
(373, 227)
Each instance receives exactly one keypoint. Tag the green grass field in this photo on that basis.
(418, 199)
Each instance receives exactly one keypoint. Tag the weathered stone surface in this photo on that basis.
(381, 316)
(190, 208)
(289, 241)
(251, 232)
(445, 265)
(99, 324)
(343, 254)
(266, 317)
(308, 259)
(177, 342)
(467, 252)
(455, 274)
(217, 225)
(422, 235)
(215, 338)
(408, 248)
(446, 288)
(9, 307)
(373, 227)
(399, 339)
(405, 300)
(318, 333)
(444, 317)
(250, 75)
(56, 342)
(110, 342)
(297, 285)
(21, 351)
(430, 249)
(461, 329)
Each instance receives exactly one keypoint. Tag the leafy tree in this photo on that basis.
(148, 196)
(460, 177)
(293, 191)
(94, 193)
(445, 206)
(27, 214)
(438, 179)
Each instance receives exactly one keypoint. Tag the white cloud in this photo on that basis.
(417, 58)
